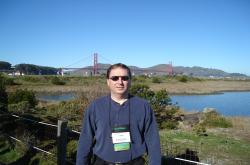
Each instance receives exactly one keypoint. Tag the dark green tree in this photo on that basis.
(3, 94)
(31, 69)
(5, 65)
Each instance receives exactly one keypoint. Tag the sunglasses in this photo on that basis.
(123, 78)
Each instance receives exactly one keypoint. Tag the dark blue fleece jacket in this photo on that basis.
(102, 114)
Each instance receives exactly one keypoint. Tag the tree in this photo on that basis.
(27, 68)
(35, 70)
(3, 94)
(5, 65)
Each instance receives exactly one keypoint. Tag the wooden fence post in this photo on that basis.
(61, 142)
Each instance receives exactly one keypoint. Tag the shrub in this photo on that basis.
(200, 129)
(71, 110)
(142, 90)
(140, 79)
(21, 95)
(159, 101)
(57, 81)
(169, 124)
(156, 80)
(21, 107)
(183, 79)
(214, 119)
(10, 81)
(33, 79)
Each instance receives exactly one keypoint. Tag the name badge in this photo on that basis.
(121, 138)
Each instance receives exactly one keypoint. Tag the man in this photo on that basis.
(119, 128)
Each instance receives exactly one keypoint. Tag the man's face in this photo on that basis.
(119, 81)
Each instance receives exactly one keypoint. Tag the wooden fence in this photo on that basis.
(61, 144)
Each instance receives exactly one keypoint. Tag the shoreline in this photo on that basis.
(209, 93)
(203, 87)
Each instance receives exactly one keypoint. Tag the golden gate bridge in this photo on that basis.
(98, 68)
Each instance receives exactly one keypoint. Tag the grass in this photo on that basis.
(211, 149)
(201, 87)
(7, 153)
(14, 153)
(241, 123)
(172, 84)
(240, 128)
(221, 146)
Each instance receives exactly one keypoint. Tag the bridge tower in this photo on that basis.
(170, 69)
(95, 66)
(60, 72)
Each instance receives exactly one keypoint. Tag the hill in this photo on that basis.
(161, 69)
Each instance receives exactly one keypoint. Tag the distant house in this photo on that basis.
(17, 73)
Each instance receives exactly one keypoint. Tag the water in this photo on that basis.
(56, 97)
(228, 103)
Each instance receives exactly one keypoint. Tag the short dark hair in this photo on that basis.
(118, 65)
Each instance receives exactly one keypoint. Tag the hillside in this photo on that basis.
(161, 69)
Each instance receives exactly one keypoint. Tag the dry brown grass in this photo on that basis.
(172, 86)
(240, 129)
(202, 87)
(63, 88)
(241, 123)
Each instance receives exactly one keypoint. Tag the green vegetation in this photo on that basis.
(156, 80)
(160, 102)
(43, 159)
(33, 79)
(47, 81)
(211, 119)
(71, 150)
(31, 69)
(183, 79)
(139, 79)
(57, 81)
(21, 91)
(217, 147)
(10, 152)
(72, 111)
(214, 119)
(22, 95)
(3, 94)
(5, 65)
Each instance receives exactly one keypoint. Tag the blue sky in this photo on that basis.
(144, 33)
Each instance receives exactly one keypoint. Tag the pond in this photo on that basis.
(228, 103)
